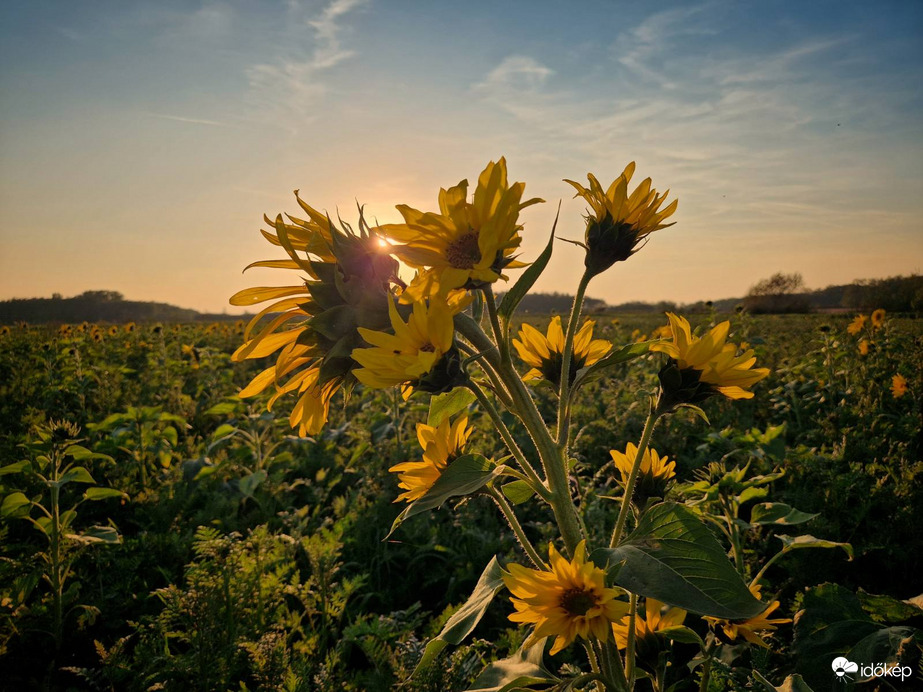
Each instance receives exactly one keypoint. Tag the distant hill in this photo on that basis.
(95, 306)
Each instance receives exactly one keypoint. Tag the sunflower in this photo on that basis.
(878, 318)
(648, 644)
(857, 324)
(700, 367)
(419, 354)
(466, 244)
(619, 222)
(748, 628)
(864, 347)
(441, 445)
(568, 601)
(544, 352)
(898, 386)
(654, 473)
(313, 326)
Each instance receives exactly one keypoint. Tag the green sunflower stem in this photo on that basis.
(633, 476)
(630, 648)
(513, 521)
(534, 481)
(500, 335)
(566, 358)
(554, 459)
(610, 653)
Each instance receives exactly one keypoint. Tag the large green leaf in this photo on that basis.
(466, 618)
(778, 513)
(673, 557)
(78, 474)
(12, 503)
(622, 355)
(465, 475)
(444, 406)
(519, 290)
(518, 671)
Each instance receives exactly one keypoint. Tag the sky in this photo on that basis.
(142, 142)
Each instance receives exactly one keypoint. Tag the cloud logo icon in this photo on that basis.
(841, 666)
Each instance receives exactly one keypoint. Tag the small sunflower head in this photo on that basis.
(567, 601)
(700, 367)
(750, 628)
(649, 643)
(545, 352)
(419, 353)
(618, 223)
(654, 473)
(878, 319)
(898, 386)
(441, 446)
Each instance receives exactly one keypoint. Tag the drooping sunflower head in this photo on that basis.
(544, 352)
(749, 629)
(570, 600)
(465, 244)
(698, 368)
(618, 222)
(313, 325)
(441, 446)
(417, 354)
(648, 643)
(654, 474)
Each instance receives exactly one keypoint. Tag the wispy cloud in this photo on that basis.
(191, 121)
(289, 89)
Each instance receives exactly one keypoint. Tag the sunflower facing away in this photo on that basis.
(313, 326)
(653, 475)
(441, 446)
(749, 628)
(569, 601)
(544, 352)
(619, 222)
(700, 367)
(465, 244)
(419, 354)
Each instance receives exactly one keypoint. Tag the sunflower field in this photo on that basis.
(384, 483)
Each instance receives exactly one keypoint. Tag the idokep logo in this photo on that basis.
(842, 667)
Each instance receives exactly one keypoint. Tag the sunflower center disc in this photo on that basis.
(577, 601)
(463, 252)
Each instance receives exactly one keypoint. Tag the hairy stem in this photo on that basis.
(517, 527)
(567, 357)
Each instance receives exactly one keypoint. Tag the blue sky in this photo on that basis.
(141, 142)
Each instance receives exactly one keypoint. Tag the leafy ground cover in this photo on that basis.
(160, 533)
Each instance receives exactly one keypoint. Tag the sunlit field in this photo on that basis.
(161, 533)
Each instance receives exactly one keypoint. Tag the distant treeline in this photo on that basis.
(895, 294)
(554, 303)
(91, 306)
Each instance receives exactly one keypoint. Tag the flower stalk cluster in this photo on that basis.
(352, 320)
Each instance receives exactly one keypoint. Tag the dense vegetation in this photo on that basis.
(191, 542)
